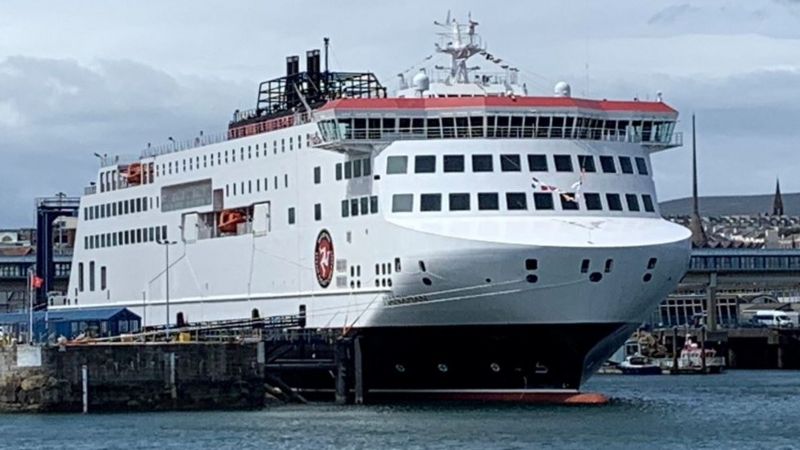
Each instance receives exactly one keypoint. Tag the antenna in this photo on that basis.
(327, 42)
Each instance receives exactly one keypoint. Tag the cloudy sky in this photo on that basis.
(108, 76)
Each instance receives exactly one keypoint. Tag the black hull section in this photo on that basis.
(450, 362)
(477, 358)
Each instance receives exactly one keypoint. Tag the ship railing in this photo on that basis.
(186, 144)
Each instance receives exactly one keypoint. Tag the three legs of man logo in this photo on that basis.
(324, 258)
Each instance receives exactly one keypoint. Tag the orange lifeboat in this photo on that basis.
(133, 174)
(229, 219)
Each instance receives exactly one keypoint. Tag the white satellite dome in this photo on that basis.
(421, 81)
(562, 89)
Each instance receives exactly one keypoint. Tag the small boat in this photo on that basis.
(639, 365)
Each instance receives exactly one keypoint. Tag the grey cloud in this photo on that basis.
(672, 13)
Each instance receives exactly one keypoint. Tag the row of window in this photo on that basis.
(17, 270)
(518, 201)
(352, 169)
(513, 163)
(246, 187)
(500, 126)
(127, 237)
(227, 156)
(360, 206)
(118, 208)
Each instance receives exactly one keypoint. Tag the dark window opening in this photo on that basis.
(453, 163)
(459, 202)
(488, 201)
(585, 266)
(563, 163)
(569, 202)
(482, 163)
(425, 164)
(607, 164)
(537, 163)
(641, 166)
(430, 202)
(510, 163)
(625, 164)
(531, 264)
(633, 202)
(543, 200)
(648, 203)
(614, 202)
(586, 163)
(516, 201)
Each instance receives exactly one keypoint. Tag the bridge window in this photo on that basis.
(647, 200)
(348, 170)
(338, 171)
(625, 164)
(453, 163)
(354, 207)
(345, 208)
(641, 166)
(482, 163)
(586, 163)
(633, 202)
(317, 175)
(317, 211)
(488, 201)
(402, 203)
(537, 163)
(424, 164)
(607, 163)
(614, 202)
(291, 216)
(510, 163)
(563, 163)
(80, 276)
(91, 276)
(396, 165)
(356, 168)
(459, 202)
(543, 201)
(430, 202)
(516, 201)
(364, 202)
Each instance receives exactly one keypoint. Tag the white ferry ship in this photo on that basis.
(484, 240)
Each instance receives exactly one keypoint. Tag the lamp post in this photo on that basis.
(166, 243)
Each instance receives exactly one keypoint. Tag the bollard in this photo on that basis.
(85, 387)
(359, 372)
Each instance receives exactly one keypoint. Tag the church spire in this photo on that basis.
(699, 238)
(777, 202)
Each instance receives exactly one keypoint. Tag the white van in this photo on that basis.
(772, 318)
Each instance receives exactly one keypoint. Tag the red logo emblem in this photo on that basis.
(323, 258)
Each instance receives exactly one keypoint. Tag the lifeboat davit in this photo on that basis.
(229, 219)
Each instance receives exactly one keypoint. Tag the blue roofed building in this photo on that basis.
(49, 325)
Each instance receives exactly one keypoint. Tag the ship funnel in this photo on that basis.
(292, 65)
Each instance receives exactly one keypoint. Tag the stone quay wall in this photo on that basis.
(131, 376)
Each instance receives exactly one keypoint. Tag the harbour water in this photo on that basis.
(738, 409)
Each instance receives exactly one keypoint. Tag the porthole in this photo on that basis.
(427, 281)
(532, 278)
(400, 368)
(442, 368)
(422, 266)
(495, 367)
(595, 277)
(488, 280)
(531, 264)
(651, 264)
(647, 277)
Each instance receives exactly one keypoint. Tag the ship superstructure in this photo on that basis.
(486, 240)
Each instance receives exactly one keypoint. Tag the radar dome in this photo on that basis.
(562, 89)
(421, 81)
